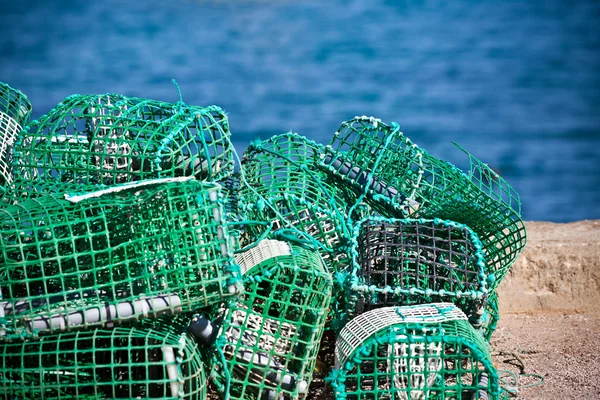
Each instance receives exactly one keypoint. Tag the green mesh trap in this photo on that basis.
(283, 187)
(427, 351)
(398, 179)
(15, 110)
(109, 139)
(271, 336)
(160, 361)
(130, 251)
(406, 261)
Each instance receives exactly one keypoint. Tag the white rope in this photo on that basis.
(127, 186)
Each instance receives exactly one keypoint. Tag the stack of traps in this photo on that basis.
(400, 180)
(134, 263)
(109, 237)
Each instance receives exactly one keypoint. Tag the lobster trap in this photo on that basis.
(110, 139)
(271, 336)
(416, 352)
(130, 251)
(407, 261)
(376, 161)
(15, 110)
(140, 362)
(399, 179)
(283, 187)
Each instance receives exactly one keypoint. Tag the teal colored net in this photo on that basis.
(15, 110)
(131, 251)
(427, 351)
(398, 179)
(271, 336)
(126, 238)
(109, 139)
(141, 362)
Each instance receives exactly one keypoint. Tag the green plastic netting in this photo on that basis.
(15, 110)
(283, 188)
(398, 179)
(271, 336)
(231, 188)
(490, 317)
(109, 139)
(131, 251)
(416, 352)
(405, 261)
(140, 362)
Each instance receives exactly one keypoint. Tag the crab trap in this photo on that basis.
(407, 261)
(130, 251)
(398, 179)
(109, 139)
(283, 187)
(141, 362)
(271, 337)
(15, 110)
(427, 352)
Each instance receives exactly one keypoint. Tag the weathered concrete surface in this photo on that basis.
(558, 272)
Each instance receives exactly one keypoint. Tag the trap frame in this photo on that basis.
(130, 251)
(401, 262)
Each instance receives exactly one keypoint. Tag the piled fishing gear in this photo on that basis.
(136, 261)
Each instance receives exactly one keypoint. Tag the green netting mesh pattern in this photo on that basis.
(490, 318)
(283, 186)
(109, 139)
(402, 180)
(159, 361)
(131, 251)
(363, 143)
(418, 352)
(271, 337)
(15, 110)
(406, 261)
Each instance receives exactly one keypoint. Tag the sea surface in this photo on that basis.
(517, 83)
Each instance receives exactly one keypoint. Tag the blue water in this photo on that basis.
(515, 83)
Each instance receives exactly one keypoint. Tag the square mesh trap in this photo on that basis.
(272, 334)
(283, 186)
(407, 261)
(15, 110)
(130, 251)
(402, 180)
(160, 361)
(428, 351)
(109, 139)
